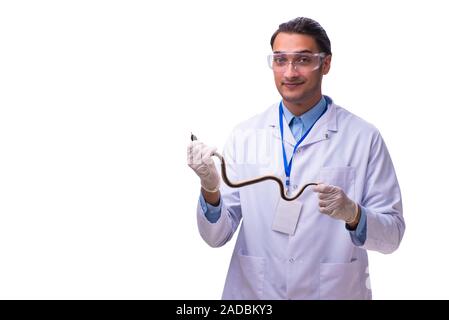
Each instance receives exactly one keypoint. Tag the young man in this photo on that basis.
(313, 247)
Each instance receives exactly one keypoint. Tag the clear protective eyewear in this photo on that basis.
(301, 61)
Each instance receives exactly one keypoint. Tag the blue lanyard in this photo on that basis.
(288, 165)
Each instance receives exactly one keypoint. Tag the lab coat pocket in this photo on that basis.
(342, 177)
(341, 281)
(252, 275)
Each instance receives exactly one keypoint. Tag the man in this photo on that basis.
(315, 246)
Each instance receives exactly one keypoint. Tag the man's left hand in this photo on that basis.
(334, 202)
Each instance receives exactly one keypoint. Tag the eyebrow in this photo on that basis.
(300, 51)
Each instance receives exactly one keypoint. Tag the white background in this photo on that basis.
(97, 101)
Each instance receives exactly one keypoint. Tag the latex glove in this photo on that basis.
(199, 158)
(334, 202)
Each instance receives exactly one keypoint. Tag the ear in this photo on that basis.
(326, 64)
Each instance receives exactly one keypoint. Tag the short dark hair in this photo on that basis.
(308, 27)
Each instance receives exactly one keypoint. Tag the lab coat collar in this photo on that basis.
(328, 122)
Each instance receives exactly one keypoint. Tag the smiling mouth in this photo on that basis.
(292, 84)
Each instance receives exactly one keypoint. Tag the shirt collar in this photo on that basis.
(308, 118)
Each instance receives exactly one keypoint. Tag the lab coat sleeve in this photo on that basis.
(381, 201)
(218, 233)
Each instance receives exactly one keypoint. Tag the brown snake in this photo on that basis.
(244, 183)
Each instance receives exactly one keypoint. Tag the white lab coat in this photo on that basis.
(320, 261)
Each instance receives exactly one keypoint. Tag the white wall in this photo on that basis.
(97, 102)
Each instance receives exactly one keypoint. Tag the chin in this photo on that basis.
(296, 99)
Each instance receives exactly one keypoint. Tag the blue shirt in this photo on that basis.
(298, 125)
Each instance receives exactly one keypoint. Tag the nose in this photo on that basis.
(290, 70)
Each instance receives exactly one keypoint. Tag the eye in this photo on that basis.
(280, 60)
(303, 60)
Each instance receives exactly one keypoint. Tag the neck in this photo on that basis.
(299, 109)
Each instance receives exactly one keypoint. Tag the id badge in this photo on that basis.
(287, 216)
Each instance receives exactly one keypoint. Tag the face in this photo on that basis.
(298, 88)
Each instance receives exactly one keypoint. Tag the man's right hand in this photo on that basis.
(199, 158)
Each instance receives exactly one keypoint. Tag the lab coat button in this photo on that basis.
(291, 260)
